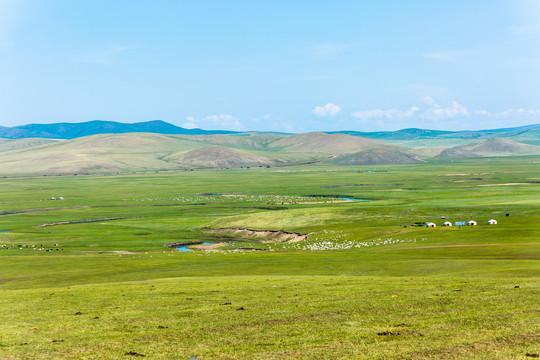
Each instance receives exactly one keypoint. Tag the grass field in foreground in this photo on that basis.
(362, 286)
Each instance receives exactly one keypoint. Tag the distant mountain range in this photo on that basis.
(76, 130)
(528, 131)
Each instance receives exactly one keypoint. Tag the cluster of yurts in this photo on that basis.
(460, 223)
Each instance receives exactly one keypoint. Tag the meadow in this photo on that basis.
(90, 277)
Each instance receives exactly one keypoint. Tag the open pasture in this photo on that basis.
(364, 284)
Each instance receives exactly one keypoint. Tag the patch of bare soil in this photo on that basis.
(265, 235)
(209, 247)
(67, 222)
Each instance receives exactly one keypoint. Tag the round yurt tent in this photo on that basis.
(447, 223)
(471, 223)
(492, 222)
(430, 224)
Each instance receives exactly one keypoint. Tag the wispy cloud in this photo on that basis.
(452, 55)
(265, 118)
(427, 100)
(326, 110)
(385, 114)
(433, 114)
(482, 113)
(325, 51)
(524, 30)
(430, 111)
(529, 61)
(105, 56)
(214, 122)
(531, 113)
(436, 112)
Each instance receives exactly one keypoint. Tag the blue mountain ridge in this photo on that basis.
(76, 130)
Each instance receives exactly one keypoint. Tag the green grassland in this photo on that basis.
(364, 284)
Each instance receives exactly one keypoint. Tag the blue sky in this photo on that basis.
(276, 65)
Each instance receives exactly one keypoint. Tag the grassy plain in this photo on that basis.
(362, 286)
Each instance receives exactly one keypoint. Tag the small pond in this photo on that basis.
(351, 199)
(183, 248)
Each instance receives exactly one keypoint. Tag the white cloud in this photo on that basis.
(452, 55)
(482, 112)
(388, 114)
(519, 113)
(427, 100)
(190, 123)
(431, 111)
(214, 122)
(104, 56)
(436, 112)
(265, 118)
(453, 116)
(524, 30)
(219, 118)
(326, 110)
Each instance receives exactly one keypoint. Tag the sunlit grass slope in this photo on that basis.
(365, 284)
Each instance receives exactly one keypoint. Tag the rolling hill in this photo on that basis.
(320, 142)
(96, 154)
(16, 144)
(215, 156)
(376, 156)
(142, 152)
(132, 152)
(491, 147)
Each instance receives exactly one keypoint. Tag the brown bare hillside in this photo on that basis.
(491, 147)
(325, 143)
(219, 156)
(251, 142)
(376, 156)
(17, 144)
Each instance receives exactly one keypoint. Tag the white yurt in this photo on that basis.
(447, 223)
(492, 222)
(472, 223)
(430, 224)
